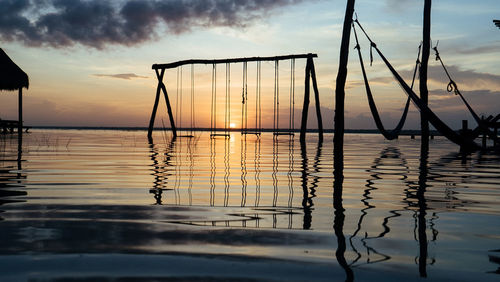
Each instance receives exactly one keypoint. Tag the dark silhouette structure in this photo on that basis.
(424, 65)
(497, 23)
(310, 74)
(338, 138)
(12, 78)
(488, 127)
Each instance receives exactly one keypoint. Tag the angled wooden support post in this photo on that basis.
(169, 109)
(316, 98)
(155, 106)
(305, 107)
(159, 88)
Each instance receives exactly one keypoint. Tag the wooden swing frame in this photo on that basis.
(310, 74)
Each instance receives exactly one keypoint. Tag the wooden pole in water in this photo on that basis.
(316, 98)
(305, 107)
(340, 89)
(426, 47)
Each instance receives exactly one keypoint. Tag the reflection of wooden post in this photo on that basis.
(316, 98)
(340, 89)
(305, 107)
(161, 87)
(422, 211)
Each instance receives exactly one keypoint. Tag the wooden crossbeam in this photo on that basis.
(233, 60)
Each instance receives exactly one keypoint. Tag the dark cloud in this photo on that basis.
(127, 76)
(97, 23)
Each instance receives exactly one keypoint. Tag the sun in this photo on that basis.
(232, 125)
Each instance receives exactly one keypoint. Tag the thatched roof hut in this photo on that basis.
(12, 77)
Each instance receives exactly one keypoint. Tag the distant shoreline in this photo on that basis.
(131, 128)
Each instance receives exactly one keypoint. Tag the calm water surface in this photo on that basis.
(108, 205)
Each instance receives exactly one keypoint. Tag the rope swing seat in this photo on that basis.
(463, 141)
(245, 127)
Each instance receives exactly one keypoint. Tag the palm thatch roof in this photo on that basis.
(12, 77)
(497, 23)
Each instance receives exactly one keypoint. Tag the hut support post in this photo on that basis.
(305, 107)
(316, 98)
(20, 125)
(338, 138)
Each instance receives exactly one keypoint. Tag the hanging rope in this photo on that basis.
(180, 100)
(452, 87)
(258, 106)
(227, 116)
(291, 122)
(276, 111)
(192, 125)
(244, 100)
(213, 110)
(177, 98)
(424, 109)
(388, 134)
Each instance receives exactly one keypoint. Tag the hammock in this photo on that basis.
(440, 126)
(388, 134)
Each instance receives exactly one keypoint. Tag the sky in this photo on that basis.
(89, 61)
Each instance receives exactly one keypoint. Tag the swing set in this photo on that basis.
(310, 74)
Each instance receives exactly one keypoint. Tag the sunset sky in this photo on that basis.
(89, 62)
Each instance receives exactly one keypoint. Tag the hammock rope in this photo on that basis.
(444, 129)
(452, 87)
(388, 134)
